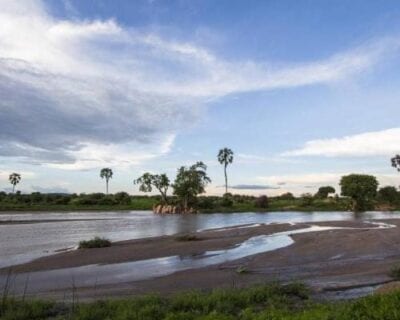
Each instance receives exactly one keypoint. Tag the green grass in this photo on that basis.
(395, 272)
(96, 242)
(270, 302)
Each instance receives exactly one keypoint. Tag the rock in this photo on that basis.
(169, 209)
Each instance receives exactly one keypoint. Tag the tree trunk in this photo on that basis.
(106, 186)
(226, 181)
(13, 188)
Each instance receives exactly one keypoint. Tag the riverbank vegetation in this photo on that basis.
(387, 198)
(272, 301)
(359, 192)
(96, 242)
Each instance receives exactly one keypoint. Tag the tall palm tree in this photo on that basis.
(14, 179)
(106, 173)
(225, 157)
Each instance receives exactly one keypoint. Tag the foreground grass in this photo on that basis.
(264, 302)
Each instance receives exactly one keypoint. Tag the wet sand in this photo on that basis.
(326, 260)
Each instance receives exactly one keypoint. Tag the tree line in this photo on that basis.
(191, 181)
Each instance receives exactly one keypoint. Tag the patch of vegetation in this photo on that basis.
(96, 242)
(242, 270)
(395, 272)
(289, 302)
(187, 237)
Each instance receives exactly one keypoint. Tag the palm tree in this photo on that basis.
(14, 179)
(225, 157)
(106, 173)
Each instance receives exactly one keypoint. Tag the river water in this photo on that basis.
(26, 236)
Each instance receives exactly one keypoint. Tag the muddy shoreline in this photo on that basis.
(329, 260)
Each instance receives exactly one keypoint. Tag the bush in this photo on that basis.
(206, 203)
(227, 200)
(96, 242)
(286, 196)
(389, 194)
(262, 202)
(306, 200)
(122, 198)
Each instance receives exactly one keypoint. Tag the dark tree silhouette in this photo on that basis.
(225, 157)
(159, 181)
(106, 173)
(190, 181)
(14, 179)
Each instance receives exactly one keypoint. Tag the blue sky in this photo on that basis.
(302, 91)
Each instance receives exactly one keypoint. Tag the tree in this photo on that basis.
(225, 157)
(14, 179)
(323, 192)
(396, 162)
(389, 194)
(106, 173)
(190, 181)
(262, 202)
(149, 181)
(360, 188)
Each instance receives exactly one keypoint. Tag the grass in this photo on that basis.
(268, 302)
(395, 272)
(242, 270)
(96, 242)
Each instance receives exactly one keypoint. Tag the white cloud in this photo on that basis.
(78, 94)
(376, 143)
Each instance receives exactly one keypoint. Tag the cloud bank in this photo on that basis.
(376, 143)
(78, 94)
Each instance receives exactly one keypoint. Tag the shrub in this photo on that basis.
(96, 242)
(227, 200)
(286, 196)
(262, 202)
(389, 194)
(122, 198)
(206, 203)
(306, 200)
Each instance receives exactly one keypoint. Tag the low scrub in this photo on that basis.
(96, 242)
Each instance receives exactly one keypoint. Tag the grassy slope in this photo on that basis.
(263, 302)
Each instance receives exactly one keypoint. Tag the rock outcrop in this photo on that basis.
(170, 209)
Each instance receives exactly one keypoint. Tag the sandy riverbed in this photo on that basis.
(329, 259)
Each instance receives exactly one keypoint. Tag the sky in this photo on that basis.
(303, 92)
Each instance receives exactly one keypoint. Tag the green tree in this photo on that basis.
(361, 188)
(106, 173)
(225, 157)
(323, 192)
(149, 181)
(14, 179)
(389, 194)
(190, 182)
